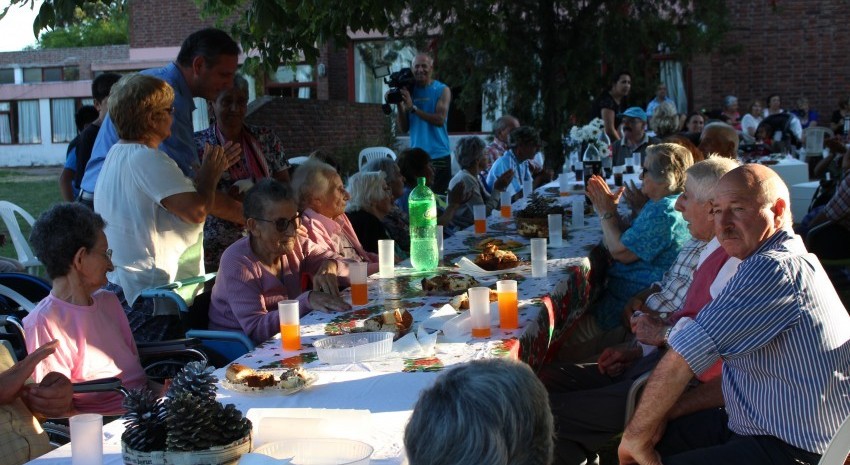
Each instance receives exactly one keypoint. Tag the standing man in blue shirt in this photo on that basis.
(425, 114)
(205, 66)
(782, 333)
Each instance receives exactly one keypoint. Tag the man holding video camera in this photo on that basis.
(425, 116)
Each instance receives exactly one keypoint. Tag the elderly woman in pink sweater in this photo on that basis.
(323, 198)
(273, 263)
(92, 329)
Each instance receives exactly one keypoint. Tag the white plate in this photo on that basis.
(309, 379)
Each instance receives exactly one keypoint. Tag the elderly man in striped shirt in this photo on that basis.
(783, 335)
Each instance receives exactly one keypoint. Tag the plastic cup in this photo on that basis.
(527, 188)
(480, 215)
(386, 258)
(564, 185)
(637, 160)
(556, 230)
(440, 241)
(538, 258)
(506, 204)
(618, 175)
(87, 439)
(359, 289)
(508, 308)
(479, 311)
(290, 324)
(578, 212)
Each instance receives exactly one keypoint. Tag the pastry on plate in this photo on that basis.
(461, 302)
(494, 259)
(448, 284)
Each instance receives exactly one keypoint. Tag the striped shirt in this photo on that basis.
(676, 281)
(783, 335)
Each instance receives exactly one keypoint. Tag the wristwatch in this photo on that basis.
(607, 215)
(412, 109)
(667, 335)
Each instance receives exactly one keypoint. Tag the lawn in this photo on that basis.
(33, 189)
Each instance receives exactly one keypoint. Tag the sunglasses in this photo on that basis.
(284, 225)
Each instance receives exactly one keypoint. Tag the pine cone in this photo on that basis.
(143, 429)
(231, 424)
(190, 423)
(195, 378)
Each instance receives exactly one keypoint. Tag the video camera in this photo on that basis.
(402, 79)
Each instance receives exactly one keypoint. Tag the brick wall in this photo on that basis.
(164, 24)
(799, 48)
(333, 126)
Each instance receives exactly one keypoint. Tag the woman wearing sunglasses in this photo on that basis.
(271, 264)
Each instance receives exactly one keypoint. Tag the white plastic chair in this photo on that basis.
(814, 140)
(22, 247)
(839, 446)
(374, 153)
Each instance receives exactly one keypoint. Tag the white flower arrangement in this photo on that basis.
(589, 134)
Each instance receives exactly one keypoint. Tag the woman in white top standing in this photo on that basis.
(751, 120)
(154, 214)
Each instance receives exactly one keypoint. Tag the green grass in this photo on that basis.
(34, 192)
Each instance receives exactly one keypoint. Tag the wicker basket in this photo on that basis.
(219, 455)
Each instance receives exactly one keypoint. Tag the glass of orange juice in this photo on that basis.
(508, 308)
(290, 324)
(359, 289)
(506, 204)
(479, 311)
(479, 213)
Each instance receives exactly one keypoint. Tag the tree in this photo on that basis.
(553, 56)
(107, 27)
(78, 23)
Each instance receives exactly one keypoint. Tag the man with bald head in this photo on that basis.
(782, 333)
(719, 138)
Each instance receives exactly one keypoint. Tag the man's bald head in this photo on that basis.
(751, 203)
(720, 139)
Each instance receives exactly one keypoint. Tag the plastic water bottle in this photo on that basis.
(422, 206)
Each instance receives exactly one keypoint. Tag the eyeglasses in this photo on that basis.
(284, 225)
(107, 253)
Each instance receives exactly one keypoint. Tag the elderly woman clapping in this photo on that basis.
(473, 160)
(371, 201)
(322, 198)
(154, 214)
(260, 156)
(643, 251)
(90, 324)
(266, 267)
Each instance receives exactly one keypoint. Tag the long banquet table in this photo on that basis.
(387, 389)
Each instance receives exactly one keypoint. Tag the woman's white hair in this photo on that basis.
(366, 189)
(311, 179)
(493, 412)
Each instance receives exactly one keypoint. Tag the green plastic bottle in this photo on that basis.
(422, 207)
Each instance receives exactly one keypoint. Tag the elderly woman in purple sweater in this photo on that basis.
(272, 264)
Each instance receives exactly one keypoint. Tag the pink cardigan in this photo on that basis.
(322, 230)
(246, 293)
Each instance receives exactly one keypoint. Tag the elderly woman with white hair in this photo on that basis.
(371, 201)
(396, 221)
(322, 199)
(493, 412)
(473, 159)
